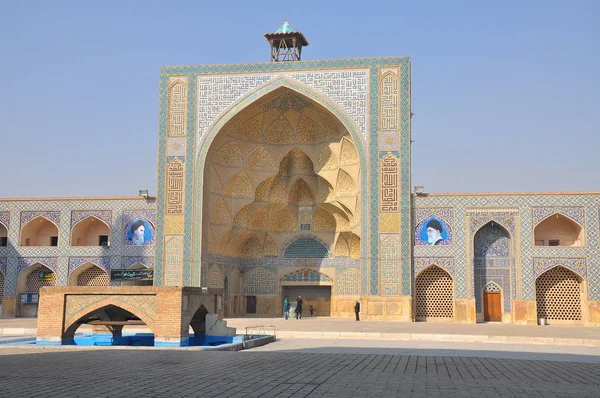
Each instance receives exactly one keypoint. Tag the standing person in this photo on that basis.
(286, 308)
(357, 309)
(299, 307)
(311, 309)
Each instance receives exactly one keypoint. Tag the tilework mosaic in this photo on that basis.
(576, 213)
(5, 218)
(306, 276)
(78, 215)
(65, 208)
(27, 216)
(577, 265)
(259, 281)
(305, 68)
(347, 88)
(102, 262)
(521, 208)
(3, 265)
(128, 261)
(347, 281)
(50, 262)
(445, 263)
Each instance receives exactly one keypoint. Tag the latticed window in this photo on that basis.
(93, 276)
(558, 295)
(492, 287)
(35, 282)
(434, 294)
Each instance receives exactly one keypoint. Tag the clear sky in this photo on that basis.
(505, 96)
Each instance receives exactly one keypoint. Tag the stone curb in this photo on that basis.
(438, 337)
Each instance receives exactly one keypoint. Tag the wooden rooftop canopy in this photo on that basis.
(286, 44)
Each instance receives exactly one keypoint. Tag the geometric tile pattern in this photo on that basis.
(128, 261)
(445, 263)
(306, 276)
(5, 218)
(27, 216)
(78, 215)
(576, 213)
(577, 265)
(102, 262)
(57, 257)
(347, 281)
(259, 281)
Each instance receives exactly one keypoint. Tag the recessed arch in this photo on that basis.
(305, 247)
(88, 274)
(90, 231)
(39, 231)
(558, 230)
(559, 295)
(434, 294)
(271, 88)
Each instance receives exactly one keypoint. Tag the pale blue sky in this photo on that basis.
(505, 96)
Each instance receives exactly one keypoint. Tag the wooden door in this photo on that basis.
(492, 310)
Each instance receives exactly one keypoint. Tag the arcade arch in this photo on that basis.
(558, 230)
(434, 295)
(559, 294)
(39, 232)
(3, 235)
(91, 231)
(88, 274)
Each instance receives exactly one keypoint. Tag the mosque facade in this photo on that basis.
(286, 179)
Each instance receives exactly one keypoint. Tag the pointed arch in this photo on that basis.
(88, 274)
(87, 232)
(559, 294)
(280, 82)
(434, 294)
(306, 247)
(39, 232)
(558, 229)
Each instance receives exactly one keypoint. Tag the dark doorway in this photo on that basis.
(250, 304)
(317, 296)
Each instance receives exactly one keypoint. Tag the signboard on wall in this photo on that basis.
(46, 275)
(131, 274)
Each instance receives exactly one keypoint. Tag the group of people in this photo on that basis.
(298, 310)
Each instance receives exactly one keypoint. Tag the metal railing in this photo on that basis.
(259, 330)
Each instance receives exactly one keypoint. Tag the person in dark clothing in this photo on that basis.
(357, 309)
(312, 310)
(299, 308)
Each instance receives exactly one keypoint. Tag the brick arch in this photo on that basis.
(72, 319)
(562, 213)
(191, 315)
(24, 226)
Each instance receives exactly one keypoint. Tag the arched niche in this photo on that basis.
(560, 296)
(30, 280)
(434, 295)
(88, 274)
(91, 231)
(558, 230)
(39, 232)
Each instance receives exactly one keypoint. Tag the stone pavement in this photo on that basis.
(55, 372)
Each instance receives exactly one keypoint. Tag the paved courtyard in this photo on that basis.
(296, 368)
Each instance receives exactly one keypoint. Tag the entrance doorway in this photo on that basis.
(492, 307)
(317, 296)
(250, 304)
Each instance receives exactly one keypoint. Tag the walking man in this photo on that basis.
(357, 309)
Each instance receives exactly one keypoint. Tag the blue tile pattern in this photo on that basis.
(102, 262)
